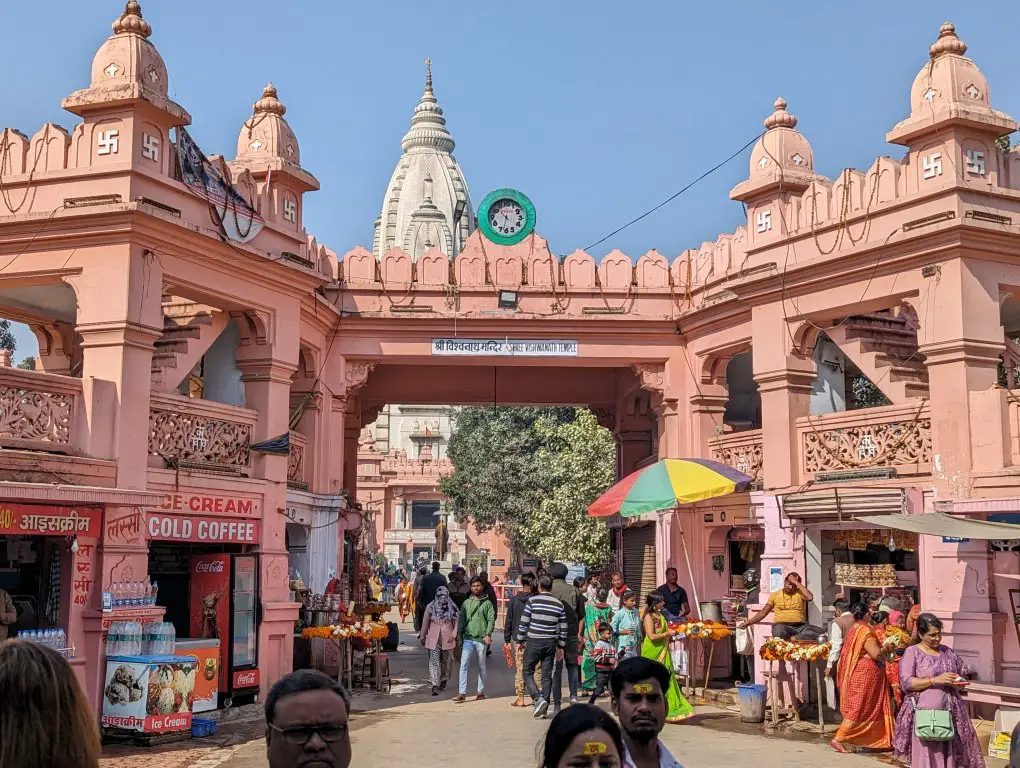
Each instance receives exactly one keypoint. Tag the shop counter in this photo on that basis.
(148, 694)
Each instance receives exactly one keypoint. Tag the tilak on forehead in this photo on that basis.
(595, 748)
(643, 688)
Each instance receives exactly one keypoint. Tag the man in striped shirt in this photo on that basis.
(543, 630)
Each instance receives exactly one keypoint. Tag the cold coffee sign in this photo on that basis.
(504, 347)
(205, 530)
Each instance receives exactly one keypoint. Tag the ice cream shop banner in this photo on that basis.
(40, 520)
(206, 530)
(210, 502)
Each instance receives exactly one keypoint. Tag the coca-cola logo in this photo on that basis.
(246, 679)
(210, 566)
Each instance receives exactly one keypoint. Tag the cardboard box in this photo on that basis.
(1006, 719)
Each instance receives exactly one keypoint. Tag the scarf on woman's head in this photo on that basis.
(443, 608)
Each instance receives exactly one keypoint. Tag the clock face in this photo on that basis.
(507, 217)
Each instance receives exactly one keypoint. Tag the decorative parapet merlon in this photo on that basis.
(37, 410)
(740, 450)
(296, 461)
(870, 438)
(189, 433)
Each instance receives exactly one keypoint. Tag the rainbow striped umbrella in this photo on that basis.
(667, 483)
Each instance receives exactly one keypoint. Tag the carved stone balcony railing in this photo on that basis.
(199, 434)
(296, 461)
(401, 535)
(38, 411)
(741, 450)
(891, 436)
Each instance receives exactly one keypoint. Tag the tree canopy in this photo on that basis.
(7, 340)
(530, 474)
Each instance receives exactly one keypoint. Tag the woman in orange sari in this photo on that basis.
(893, 641)
(865, 700)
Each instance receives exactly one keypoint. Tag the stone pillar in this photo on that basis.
(352, 434)
(266, 372)
(401, 513)
(708, 407)
(784, 383)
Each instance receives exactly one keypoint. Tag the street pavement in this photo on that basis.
(409, 726)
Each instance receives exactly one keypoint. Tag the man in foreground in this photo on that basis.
(307, 722)
(638, 686)
(543, 631)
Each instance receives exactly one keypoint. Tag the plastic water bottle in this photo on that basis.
(155, 592)
(117, 593)
(62, 643)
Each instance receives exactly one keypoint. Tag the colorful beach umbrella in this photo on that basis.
(667, 483)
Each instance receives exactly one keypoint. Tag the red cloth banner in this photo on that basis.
(42, 520)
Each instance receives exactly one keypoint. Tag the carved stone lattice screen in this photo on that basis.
(192, 439)
(35, 415)
(742, 451)
(296, 462)
(890, 444)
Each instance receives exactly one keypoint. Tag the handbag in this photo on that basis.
(934, 724)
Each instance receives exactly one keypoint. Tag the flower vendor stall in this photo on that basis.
(707, 634)
(776, 649)
(344, 633)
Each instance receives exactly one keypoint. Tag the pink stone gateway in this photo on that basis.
(851, 347)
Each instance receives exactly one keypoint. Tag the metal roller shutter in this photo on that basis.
(639, 560)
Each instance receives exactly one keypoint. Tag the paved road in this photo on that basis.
(411, 727)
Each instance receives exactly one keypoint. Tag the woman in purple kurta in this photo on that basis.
(927, 677)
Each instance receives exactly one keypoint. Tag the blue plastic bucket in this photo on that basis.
(752, 703)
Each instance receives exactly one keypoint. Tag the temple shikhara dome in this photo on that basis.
(427, 204)
(782, 157)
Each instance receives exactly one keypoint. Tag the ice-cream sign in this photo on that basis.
(213, 530)
(219, 505)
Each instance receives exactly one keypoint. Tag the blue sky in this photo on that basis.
(596, 110)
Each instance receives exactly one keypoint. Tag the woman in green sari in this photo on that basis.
(656, 647)
(595, 612)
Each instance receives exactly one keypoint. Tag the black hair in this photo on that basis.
(477, 579)
(558, 571)
(627, 595)
(435, 565)
(578, 582)
(635, 669)
(572, 722)
(545, 583)
(603, 626)
(300, 681)
(527, 579)
(653, 599)
(671, 568)
(859, 610)
(601, 594)
(926, 621)
(879, 617)
(841, 605)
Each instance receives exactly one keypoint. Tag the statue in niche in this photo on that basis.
(442, 538)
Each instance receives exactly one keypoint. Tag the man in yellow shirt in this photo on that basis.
(790, 606)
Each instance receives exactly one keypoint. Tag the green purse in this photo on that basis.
(934, 724)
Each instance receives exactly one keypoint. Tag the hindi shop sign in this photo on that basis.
(40, 520)
(203, 530)
(504, 348)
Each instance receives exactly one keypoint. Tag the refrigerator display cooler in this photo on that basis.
(224, 607)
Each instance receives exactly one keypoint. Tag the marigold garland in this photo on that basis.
(777, 649)
(366, 630)
(703, 630)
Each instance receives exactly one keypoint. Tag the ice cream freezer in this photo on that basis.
(206, 654)
(149, 694)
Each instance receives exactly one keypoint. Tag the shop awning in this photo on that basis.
(939, 524)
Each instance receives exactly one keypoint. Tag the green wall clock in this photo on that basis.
(506, 216)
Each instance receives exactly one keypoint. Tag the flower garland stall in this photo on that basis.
(796, 651)
(708, 633)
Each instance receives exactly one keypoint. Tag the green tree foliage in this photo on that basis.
(7, 340)
(515, 466)
(580, 457)
(27, 364)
